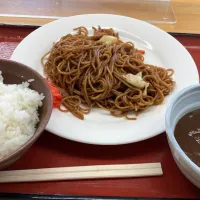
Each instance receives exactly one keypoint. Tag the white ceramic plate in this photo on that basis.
(99, 127)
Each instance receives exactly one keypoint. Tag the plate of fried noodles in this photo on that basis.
(111, 76)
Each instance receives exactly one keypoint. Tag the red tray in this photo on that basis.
(53, 151)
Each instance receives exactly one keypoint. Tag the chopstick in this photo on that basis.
(82, 172)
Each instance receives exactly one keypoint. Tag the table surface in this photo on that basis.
(187, 11)
(53, 151)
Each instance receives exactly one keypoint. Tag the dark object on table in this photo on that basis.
(187, 134)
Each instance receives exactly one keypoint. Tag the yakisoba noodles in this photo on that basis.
(102, 71)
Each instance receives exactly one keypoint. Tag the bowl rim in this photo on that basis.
(31, 140)
(170, 134)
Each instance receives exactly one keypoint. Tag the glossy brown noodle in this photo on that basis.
(90, 73)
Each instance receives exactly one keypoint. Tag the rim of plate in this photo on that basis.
(116, 19)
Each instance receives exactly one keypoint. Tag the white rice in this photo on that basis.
(18, 115)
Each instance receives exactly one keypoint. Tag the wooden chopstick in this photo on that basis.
(82, 172)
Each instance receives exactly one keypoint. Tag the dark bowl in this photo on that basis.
(16, 73)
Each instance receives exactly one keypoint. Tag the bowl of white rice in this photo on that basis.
(25, 109)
